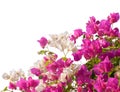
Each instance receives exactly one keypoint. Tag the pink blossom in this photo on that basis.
(92, 26)
(79, 89)
(104, 27)
(103, 67)
(43, 41)
(100, 85)
(27, 85)
(77, 55)
(12, 86)
(32, 83)
(72, 38)
(91, 48)
(58, 88)
(83, 75)
(112, 84)
(77, 33)
(22, 84)
(114, 17)
(56, 68)
(36, 71)
(68, 62)
(104, 43)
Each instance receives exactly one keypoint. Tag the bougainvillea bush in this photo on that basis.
(60, 68)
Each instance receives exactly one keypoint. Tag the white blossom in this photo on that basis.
(21, 73)
(5, 76)
(67, 72)
(62, 42)
(41, 86)
(40, 64)
(13, 75)
(62, 77)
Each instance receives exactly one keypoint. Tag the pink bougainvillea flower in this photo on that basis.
(56, 67)
(100, 85)
(77, 33)
(27, 85)
(117, 52)
(32, 83)
(12, 86)
(52, 67)
(35, 71)
(77, 55)
(60, 63)
(114, 17)
(92, 26)
(43, 42)
(79, 89)
(116, 32)
(109, 54)
(106, 65)
(83, 75)
(57, 88)
(104, 25)
(112, 84)
(104, 43)
(91, 48)
(68, 62)
(103, 67)
(72, 38)
(22, 84)
(104, 28)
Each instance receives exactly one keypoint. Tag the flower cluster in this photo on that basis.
(100, 47)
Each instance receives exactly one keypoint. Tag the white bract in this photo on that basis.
(41, 86)
(14, 75)
(62, 42)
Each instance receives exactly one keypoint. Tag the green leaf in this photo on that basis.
(92, 62)
(42, 52)
(5, 89)
(83, 36)
(40, 77)
(45, 52)
(64, 58)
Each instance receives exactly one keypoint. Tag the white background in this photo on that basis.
(23, 22)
